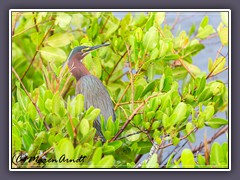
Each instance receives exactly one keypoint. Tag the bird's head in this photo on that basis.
(81, 51)
(75, 58)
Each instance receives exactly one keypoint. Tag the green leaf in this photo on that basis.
(89, 137)
(192, 30)
(189, 128)
(59, 40)
(164, 46)
(205, 32)
(209, 112)
(159, 18)
(97, 155)
(150, 39)
(187, 159)
(138, 92)
(112, 24)
(216, 122)
(181, 111)
(201, 85)
(63, 20)
(37, 143)
(138, 34)
(106, 162)
(108, 149)
(171, 57)
(26, 141)
(216, 155)
(94, 65)
(192, 68)
(132, 137)
(204, 22)
(84, 126)
(192, 50)
(152, 163)
(58, 105)
(16, 143)
(116, 144)
(205, 95)
(140, 19)
(76, 106)
(78, 20)
(155, 125)
(147, 89)
(93, 115)
(36, 38)
(22, 98)
(32, 111)
(201, 160)
(223, 34)
(53, 54)
(224, 17)
(175, 141)
(78, 152)
(151, 72)
(169, 162)
(144, 146)
(218, 65)
(64, 147)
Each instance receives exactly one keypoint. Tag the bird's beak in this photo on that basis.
(89, 49)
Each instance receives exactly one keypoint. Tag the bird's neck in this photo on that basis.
(77, 68)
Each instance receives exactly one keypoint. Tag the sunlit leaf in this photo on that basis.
(216, 122)
(59, 40)
(53, 54)
(187, 159)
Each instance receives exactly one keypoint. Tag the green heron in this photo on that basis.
(95, 94)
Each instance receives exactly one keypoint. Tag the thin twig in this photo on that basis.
(119, 100)
(215, 136)
(64, 86)
(132, 116)
(175, 21)
(115, 66)
(73, 129)
(35, 22)
(156, 148)
(184, 137)
(101, 31)
(32, 27)
(188, 70)
(131, 75)
(218, 53)
(34, 103)
(224, 69)
(180, 59)
(132, 134)
(35, 54)
(45, 152)
(209, 37)
(15, 22)
(66, 91)
(126, 103)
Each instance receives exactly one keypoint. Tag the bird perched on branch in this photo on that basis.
(95, 94)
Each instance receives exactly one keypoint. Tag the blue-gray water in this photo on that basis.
(186, 19)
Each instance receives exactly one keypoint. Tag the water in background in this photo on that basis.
(186, 19)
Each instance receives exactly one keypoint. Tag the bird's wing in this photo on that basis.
(96, 95)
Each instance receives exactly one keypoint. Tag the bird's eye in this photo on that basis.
(85, 50)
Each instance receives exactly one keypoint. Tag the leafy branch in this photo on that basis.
(34, 103)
